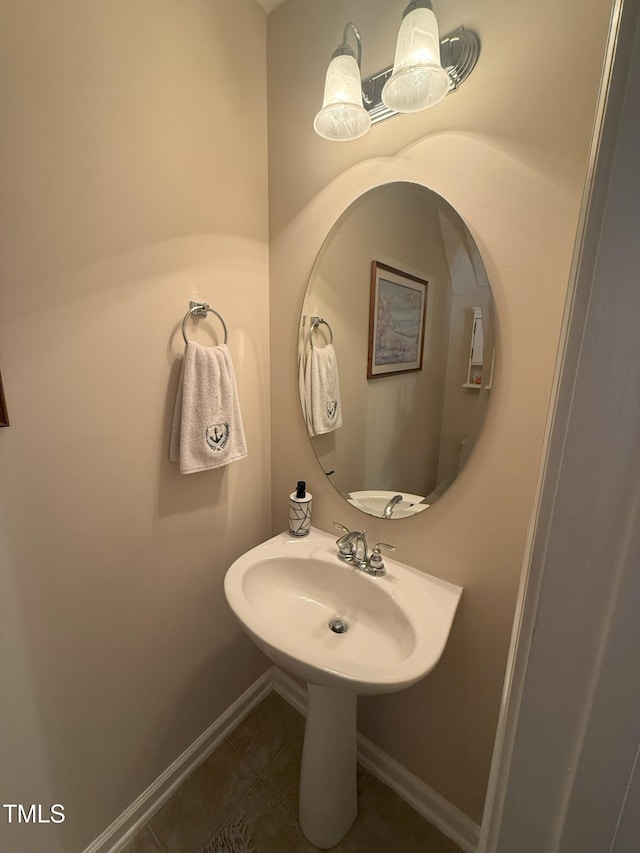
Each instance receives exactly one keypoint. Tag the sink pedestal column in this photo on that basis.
(328, 796)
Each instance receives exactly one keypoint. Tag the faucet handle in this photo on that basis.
(344, 542)
(361, 548)
(376, 566)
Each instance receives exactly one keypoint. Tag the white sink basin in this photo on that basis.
(285, 593)
(374, 502)
(287, 590)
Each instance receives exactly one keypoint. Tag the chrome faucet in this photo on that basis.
(387, 512)
(353, 549)
(352, 546)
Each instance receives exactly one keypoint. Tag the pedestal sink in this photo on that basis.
(344, 632)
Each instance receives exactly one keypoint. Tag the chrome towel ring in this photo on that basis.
(201, 309)
(315, 322)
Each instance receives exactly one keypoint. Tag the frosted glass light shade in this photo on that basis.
(342, 116)
(418, 80)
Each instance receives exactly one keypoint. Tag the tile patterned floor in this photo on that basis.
(253, 775)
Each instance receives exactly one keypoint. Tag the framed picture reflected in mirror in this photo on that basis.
(397, 312)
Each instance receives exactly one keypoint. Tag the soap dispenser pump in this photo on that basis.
(300, 503)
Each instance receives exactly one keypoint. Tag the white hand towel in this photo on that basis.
(306, 396)
(207, 429)
(324, 389)
(304, 382)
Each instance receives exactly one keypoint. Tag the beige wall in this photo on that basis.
(131, 182)
(509, 152)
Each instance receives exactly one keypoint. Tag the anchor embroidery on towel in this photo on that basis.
(332, 408)
(218, 436)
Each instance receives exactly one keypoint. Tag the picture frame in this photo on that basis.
(4, 415)
(397, 321)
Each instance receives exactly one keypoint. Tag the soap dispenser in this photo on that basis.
(300, 503)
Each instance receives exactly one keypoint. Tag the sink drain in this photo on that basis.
(338, 626)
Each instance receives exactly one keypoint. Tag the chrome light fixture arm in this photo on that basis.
(345, 48)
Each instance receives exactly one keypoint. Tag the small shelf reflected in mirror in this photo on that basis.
(476, 351)
(4, 415)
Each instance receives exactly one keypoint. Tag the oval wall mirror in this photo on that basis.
(395, 353)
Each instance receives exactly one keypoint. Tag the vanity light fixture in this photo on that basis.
(425, 70)
(343, 115)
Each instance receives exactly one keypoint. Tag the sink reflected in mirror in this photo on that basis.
(384, 504)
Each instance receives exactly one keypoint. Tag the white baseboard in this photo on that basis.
(141, 810)
(427, 802)
(438, 811)
(289, 689)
